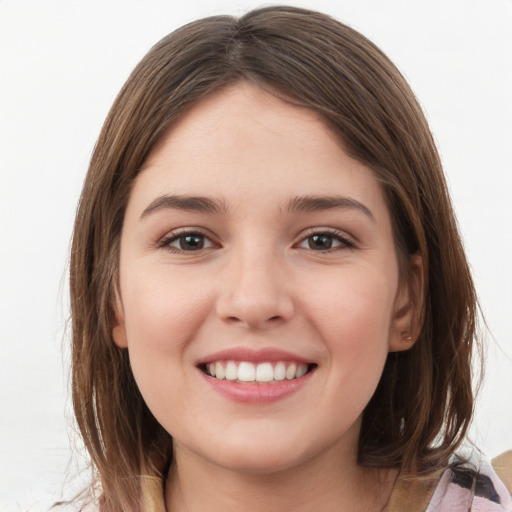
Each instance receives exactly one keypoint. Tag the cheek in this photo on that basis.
(162, 317)
(354, 315)
(354, 304)
(162, 310)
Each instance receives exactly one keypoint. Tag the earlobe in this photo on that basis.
(119, 330)
(407, 318)
(119, 335)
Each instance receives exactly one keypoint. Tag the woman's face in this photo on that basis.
(254, 250)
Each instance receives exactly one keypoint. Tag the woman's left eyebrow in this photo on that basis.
(304, 204)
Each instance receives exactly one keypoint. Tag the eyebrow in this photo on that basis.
(304, 204)
(186, 203)
(298, 204)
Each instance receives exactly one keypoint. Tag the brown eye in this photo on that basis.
(187, 242)
(320, 242)
(325, 242)
(192, 242)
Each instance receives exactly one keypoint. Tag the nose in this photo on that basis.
(255, 291)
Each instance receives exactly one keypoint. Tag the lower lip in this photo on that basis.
(257, 393)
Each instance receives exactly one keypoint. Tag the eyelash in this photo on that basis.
(344, 241)
(166, 242)
(339, 236)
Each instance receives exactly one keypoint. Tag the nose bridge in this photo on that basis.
(254, 288)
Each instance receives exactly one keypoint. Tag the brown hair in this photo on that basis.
(423, 404)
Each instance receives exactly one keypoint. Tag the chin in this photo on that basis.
(256, 461)
(259, 454)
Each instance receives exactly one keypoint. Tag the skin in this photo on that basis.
(260, 282)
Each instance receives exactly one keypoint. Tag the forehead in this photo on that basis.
(248, 147)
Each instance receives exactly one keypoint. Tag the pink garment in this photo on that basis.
(470, 485)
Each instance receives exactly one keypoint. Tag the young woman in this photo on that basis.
(271, 306)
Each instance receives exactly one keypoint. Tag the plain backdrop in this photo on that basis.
(61, 65)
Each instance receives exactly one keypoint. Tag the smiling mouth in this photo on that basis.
(245, 372)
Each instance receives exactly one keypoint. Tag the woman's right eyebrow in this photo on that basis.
(198, 204)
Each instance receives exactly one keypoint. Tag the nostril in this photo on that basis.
(253, 304)
(236, 319)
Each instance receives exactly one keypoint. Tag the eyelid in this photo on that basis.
(347, 241)
(173, 235)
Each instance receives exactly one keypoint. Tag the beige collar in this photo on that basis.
(412, 494)
(502, 464)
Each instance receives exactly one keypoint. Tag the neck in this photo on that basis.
(327, 483)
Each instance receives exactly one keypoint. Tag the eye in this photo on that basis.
(186, 242)
(325, 241)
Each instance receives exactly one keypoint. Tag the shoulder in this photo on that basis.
(502, 465)
(470, 484)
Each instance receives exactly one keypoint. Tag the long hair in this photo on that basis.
(424, 401)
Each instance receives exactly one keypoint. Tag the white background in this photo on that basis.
(61, 65)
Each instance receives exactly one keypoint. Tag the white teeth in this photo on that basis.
(231, 371)
(301, 370)
(245, 371)
(220, 373)
(290, 371)
(264, 372)
(280, 371)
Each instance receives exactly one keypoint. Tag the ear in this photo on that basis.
(119, 334)
(119, 329)
(407, 314)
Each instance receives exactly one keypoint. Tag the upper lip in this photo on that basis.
(252, 356)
